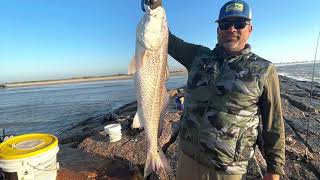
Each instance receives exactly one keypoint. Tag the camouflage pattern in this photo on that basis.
(220, 119)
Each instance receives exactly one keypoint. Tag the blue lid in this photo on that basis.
(235, 8)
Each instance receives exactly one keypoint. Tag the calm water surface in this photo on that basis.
(51, 109)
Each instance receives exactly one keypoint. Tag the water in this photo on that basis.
(54, 108)
(301, 72)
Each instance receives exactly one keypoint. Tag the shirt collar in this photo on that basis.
(220, 52)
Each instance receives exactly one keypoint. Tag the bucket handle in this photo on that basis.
(55, 169)
(2, 176)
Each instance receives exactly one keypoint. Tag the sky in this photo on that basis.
(56, 39)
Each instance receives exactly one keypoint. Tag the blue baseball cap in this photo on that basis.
(235, 8)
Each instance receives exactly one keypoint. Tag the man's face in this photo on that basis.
(233, 34)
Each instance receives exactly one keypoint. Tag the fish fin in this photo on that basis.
(132, 68)
(137, 123)
(156, 163)
(164, 107)
(160, 129)
(166, 76)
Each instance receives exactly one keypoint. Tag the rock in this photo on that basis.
(109, 117)
(301, 103)
(173, 93)
(132, 147)
(77, 164)
(257, 166)
(65, 174)
(170, 129)
(125, 159)
(176, 92)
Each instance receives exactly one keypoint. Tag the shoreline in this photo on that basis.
(294, 63)
(114, 77)
(103, 78)
(75, 80)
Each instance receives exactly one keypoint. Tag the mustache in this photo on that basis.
(228, 38)
(231, 35)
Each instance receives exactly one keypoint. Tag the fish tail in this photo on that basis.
(156, 163)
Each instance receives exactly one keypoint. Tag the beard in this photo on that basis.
(230, 43)
(231, 46)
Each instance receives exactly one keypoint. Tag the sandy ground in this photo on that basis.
(77, 80)
(66, 81)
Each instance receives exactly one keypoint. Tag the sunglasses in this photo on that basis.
(237, 24)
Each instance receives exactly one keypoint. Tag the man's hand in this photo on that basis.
(155, 3)
(270, 176)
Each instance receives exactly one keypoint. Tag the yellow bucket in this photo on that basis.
(30, 157)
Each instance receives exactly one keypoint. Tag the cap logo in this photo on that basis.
(234, 7)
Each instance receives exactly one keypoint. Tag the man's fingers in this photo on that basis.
(155, 3)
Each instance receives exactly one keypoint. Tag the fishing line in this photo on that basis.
(311, 90)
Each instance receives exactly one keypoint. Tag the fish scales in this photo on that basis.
(151, 74)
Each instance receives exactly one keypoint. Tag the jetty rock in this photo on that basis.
(86, 153)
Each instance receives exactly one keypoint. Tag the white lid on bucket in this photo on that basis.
(112, 128)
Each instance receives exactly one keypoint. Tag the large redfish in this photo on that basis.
(150, 69)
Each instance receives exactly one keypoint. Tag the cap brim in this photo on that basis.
(233, 16)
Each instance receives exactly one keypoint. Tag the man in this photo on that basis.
(228, 89)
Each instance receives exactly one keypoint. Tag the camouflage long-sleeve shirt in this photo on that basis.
(225, 96)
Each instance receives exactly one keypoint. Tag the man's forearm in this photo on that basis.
(182, 51)
(273, 124)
